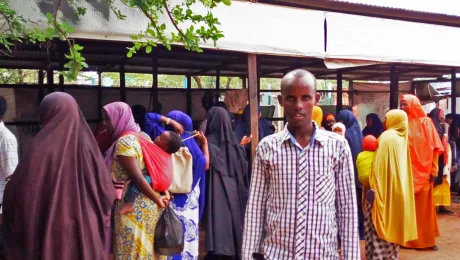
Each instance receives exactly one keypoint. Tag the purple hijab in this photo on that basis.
(122, 119)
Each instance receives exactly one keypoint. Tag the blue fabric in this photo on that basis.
(243, 127)
(377, 127)
(154, 128)
(353, 135)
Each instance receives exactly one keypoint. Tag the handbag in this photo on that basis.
(182, 165)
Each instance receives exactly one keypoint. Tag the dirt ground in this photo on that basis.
(448, 242)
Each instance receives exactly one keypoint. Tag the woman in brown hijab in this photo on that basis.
(57, 203)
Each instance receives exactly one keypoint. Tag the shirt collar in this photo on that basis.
(316, 137)
(2, 125)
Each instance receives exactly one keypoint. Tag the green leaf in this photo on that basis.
(129, 54)
(227, 2)
(81, 11)
(148, 49)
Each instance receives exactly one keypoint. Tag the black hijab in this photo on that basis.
(434, 115)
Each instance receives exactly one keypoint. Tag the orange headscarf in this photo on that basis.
(370, 143)
(423, 141)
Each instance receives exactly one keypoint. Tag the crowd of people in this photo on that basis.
(313, 190)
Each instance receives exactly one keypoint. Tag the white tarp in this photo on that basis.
(384, 40)
(248, 27)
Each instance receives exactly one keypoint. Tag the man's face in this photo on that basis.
(403, 105)
(441, 117)
(298, 101)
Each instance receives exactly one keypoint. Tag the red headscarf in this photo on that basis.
(423, 141)
(370, 143)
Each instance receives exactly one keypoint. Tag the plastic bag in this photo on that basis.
(169, 234)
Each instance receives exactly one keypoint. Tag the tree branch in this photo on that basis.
(172, 20)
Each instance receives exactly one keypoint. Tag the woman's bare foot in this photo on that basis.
(126, 208)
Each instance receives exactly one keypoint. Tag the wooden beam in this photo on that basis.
(189, 95)
(412, 87)
(454, 90)
(50, 80)
(394, 84)
(61, 65)
(154, 93)
(244, 82)
(41, 85)
(122, 83)
(217, 84)
(339, 106)
(253, 102)
(351, 100)
(99, 95)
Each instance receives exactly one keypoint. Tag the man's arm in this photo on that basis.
(254, 223)
(346, 205)
(9, 158)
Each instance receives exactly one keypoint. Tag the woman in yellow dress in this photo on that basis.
(390, 212)
(134, 232)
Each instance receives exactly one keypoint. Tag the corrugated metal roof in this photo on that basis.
(443, 7)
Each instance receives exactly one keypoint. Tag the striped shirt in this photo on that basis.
(8, 156)
(302, 200)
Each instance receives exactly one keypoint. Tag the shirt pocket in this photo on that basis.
(324, 186)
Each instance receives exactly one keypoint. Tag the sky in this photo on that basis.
(451, 7)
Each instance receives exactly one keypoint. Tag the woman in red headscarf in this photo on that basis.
(425, 147)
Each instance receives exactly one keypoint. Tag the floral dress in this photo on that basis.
(134, 232)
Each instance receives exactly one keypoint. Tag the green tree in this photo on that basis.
(200, 27)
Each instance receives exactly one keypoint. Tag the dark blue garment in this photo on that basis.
(154, 128)
(243, 127)
(355, 139)
(377, 127)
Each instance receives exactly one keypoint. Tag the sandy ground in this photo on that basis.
(448, 242)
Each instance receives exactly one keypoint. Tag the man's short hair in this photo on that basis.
(174, 142)
(3, 107)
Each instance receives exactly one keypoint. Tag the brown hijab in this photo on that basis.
(57, 203)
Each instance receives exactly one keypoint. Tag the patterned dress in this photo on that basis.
(134, 232)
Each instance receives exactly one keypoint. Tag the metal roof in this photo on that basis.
(106, 56)
(443, 7)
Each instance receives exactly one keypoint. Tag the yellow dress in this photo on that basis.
(393, 210)
(134, 232)
(441, 193)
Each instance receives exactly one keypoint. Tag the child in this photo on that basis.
(169, 142)
(339, 128)
(365, 159)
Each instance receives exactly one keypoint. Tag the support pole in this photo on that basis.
(189, 96)
(99, 95)
(50, 80)
(454, 91)
(61, 66)
(394, 83)
(412, 88)
(41, 85)
(339, 106)
(244, 82)
(217, 85)
(122, 83)
(253, 102)
(351, 95)
(154, 95)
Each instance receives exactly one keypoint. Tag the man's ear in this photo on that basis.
(280, 100)
(317, 98)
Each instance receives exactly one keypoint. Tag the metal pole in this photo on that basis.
(339, 106)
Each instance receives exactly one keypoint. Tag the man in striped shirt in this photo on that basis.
(302, 202)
